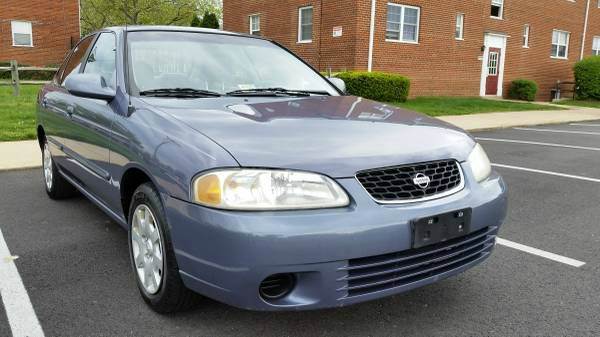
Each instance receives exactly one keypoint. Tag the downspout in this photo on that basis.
(371, 36)
(320, 33)
(79, 16)
(585, 25)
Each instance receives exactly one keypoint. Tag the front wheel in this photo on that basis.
(152, 254)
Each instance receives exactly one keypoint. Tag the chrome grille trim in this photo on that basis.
(449, 192)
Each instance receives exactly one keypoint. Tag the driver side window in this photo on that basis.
(76, 58)
(102, 59)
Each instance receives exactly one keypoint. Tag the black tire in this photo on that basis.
(58, 187)
(172, 295)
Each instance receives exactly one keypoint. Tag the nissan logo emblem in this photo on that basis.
(421, 180)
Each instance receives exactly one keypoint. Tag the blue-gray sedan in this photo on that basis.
(243, 175)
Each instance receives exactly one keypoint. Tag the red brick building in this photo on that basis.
(37, 32)
(451, 47)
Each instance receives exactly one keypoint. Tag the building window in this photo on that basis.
(402, 23)
(460, 26)
(493, 63)
(497, 9)
(255, 24)
(526, 30)
(21, 33)
(560, 44)
(305, 24)
(596, 46)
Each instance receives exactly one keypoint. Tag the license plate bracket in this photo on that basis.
(442, 227)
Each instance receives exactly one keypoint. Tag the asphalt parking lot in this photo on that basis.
(73, 261)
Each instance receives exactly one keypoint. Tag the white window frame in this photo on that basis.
(498, 3)
(596, 46)
(401, 33)
(460, 27)
(300, 10)
(526, 32)
(28, 31)
(251, 21)
(566, 57)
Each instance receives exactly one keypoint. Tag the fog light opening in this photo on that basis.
(276, 286)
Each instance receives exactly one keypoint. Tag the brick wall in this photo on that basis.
(54, 25)
(439, 64)
(279, 21)
(593, 26)
(535, 62)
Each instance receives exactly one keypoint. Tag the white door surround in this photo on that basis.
(492, 40)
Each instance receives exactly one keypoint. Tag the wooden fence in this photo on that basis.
(14, 72)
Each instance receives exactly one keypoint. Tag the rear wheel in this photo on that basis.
(56, 185)
(152, 254)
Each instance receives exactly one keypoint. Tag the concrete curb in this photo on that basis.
(20, 168)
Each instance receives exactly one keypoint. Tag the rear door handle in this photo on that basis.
(70, 110)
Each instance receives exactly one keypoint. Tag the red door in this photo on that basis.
(493, 69)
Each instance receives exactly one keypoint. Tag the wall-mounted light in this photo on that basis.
(483, 48)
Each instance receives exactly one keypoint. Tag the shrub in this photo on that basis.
(523, 89)
(376, 86)
(210, 20)
(587, 78)
(195, 21)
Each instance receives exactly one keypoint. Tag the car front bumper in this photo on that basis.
(338, 256)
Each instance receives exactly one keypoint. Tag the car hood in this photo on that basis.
(337, 135)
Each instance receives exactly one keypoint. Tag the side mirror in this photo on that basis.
(338, 83)
(90, 86)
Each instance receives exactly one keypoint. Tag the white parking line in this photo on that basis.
(534, 251)
(21, 316)
(558, 174)
(560, 131)
(584, 124)
(538, 143)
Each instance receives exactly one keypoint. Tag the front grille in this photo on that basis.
(375, 273)
(395, 184)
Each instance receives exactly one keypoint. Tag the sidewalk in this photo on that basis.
(498, 120)
(26, 154)
(20, 155)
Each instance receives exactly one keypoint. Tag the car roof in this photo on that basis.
(138, 28)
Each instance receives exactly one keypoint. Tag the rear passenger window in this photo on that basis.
(102, 59)
(76, 59)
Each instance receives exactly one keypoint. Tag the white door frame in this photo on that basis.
(493, 40)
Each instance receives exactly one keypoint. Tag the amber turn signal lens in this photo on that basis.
(208, 190)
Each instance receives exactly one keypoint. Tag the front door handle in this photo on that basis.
(70, 110)
(44, 102)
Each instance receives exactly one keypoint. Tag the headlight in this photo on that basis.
(480, 163)
(255, 189)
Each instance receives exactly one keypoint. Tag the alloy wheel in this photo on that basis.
(147, 249)
(47, 162)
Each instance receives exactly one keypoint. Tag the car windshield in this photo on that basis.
(216, 63)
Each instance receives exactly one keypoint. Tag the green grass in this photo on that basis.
(587, 104)
(444, 106)
(17, 114)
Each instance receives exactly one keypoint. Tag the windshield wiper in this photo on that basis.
(179, 92)
(275, 92)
